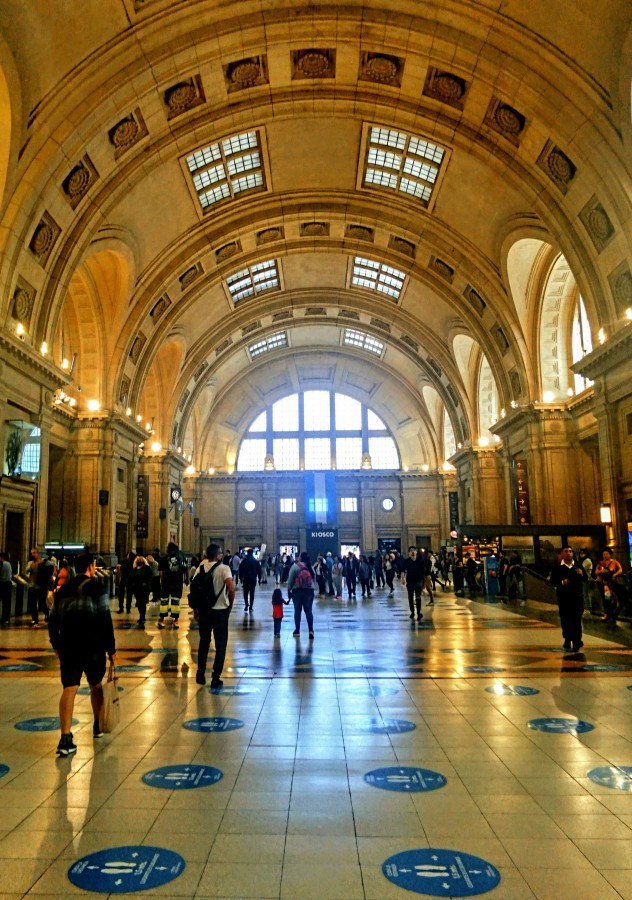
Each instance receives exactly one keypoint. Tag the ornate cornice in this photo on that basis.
(614, 352)
(19, 355)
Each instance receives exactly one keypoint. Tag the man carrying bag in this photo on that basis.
(212, 596)
(81, 632)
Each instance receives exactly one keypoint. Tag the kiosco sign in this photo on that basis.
(322, 540)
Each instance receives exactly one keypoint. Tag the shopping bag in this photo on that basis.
(110, 715)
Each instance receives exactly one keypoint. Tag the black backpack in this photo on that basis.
(202, 592)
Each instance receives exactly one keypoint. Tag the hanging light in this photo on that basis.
(605, 514)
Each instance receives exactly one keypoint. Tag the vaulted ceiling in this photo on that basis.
(336, 142)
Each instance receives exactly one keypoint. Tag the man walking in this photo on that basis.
(567, 578)
(212, 596)
(413, 577)
(173, 570)
(250, 573)
(80, 630)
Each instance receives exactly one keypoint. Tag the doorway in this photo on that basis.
(14, 539)
(121, 547)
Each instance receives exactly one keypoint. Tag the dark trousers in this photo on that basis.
(277, 626)
(351, 584)
(215, 622)
(249, 591)
(5, 599)
(390, 577)
(414, 597)
(364, 584)
(37, 602)
(303, 601)
(571, 611)
(124, 595)
(379, 578)
(142, 599)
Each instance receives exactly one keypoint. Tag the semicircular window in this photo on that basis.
(316, 430)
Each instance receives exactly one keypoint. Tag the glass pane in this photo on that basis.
(285, 414)
(252, 454)
(383, 453)
(260, 423)
(348, 453)
(374, 422)
(317, 453)
(286, 455)
(316, 411)
(348, 413)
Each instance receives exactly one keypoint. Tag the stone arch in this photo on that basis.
(10, 115)
(488, 399)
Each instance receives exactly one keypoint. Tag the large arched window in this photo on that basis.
(317, 430)
(581, 343)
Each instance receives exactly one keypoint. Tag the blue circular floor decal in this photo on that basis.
(85, 691)
(213, 723)
(183, 778)
(18, 667)
(123, 870)
(483, 669)
(3, 770)
(512, 690)
(617, 777)
(360, 668)
(560, 726)
(387, 726)
(441, 873)
(594, 667)
(43, 723)
(372, 690)
(132, 667)
(233, 690)
(406, 779)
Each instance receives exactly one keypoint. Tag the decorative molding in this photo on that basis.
(434, 365)
(620, 281)
(406, 339)
(314, 229)
(280, 316)
(313, 63)
(616, 352)
(160, 308)
(190, 275)
(441, 268)
(557, 166)
(227, 251)
(79, 180)
(445, 87)
(516, 384)
(249, 72)
(127, 132)
(381, 68)
(501, 339)
(475, 299)
(399, 245)
(595, 220)
(452, 394)
(124, 390)
(253, 326)
(183, 399)
(201, 369)
(315, 311)
(223, 346)
(360, 233)
(379, 323)
(44, 238)
(268, 235)
(20, 356)
(137, 347)
(348, 314)
(23, 301)
(184, 96)
(505, 120)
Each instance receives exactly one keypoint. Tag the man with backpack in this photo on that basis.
(173, 573)
(300, 588)
(80, 630)
(211, 597)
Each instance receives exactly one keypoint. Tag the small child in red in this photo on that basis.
(277, 610)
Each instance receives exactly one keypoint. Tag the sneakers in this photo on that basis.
(161, 623)
(216, 682)
(419, 617)
(65, 746)
(567, 645)
(199, 677)
(311, 635)
(296, 634)
(96, 730)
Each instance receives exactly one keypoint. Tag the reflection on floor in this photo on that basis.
(321, 763)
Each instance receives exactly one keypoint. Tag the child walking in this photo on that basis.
(277, 610)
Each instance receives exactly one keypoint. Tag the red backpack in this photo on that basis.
(304, 579)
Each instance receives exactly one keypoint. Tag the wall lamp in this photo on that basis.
(605, 514)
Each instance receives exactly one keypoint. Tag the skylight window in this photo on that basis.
(375, 276)
(253, 280)
(353, 338)
(402, 162)
(273, 342)
(226, 169)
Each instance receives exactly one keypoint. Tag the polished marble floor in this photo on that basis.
(293, 815)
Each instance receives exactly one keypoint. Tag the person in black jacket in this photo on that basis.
(140, 580)
(567, 577)
(80, 630)
(414, 576)
(249, 573)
